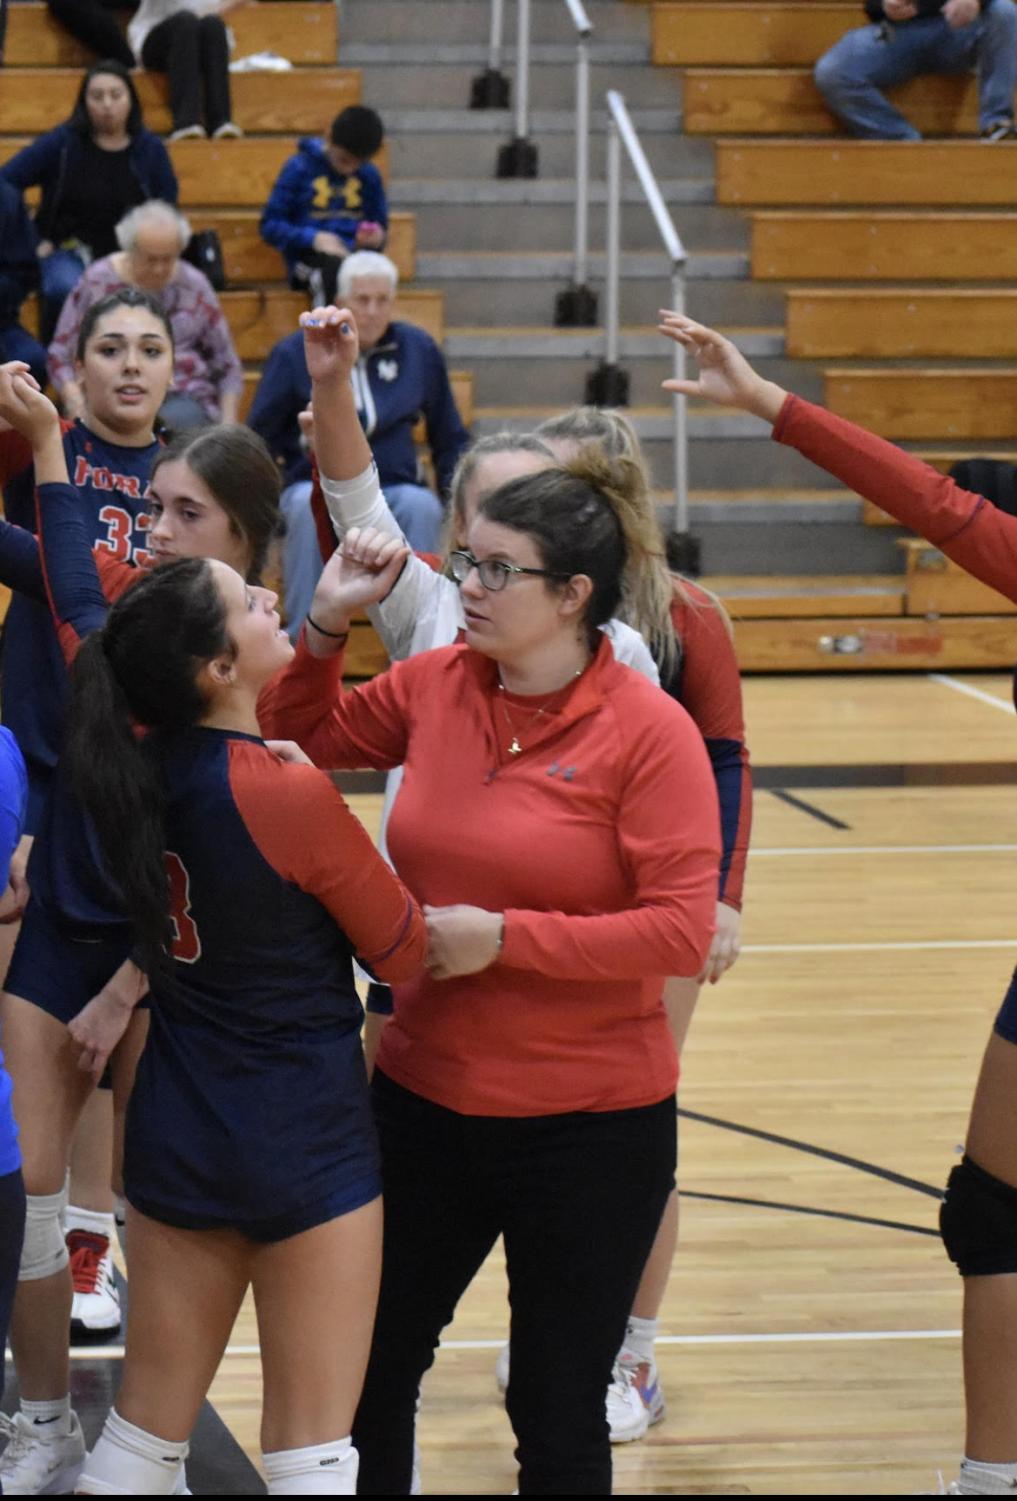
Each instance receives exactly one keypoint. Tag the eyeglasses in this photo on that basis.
(494, 574)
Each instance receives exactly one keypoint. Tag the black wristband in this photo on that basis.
(332, 635)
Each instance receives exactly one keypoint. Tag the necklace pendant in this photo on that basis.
(515, 749)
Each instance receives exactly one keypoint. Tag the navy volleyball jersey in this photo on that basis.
(110, 482)
(251, 1098)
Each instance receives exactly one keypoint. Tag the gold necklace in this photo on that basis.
(514, 748)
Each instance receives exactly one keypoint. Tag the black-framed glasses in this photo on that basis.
(494, 573)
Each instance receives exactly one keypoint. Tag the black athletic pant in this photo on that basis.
(578, 1198)
(318, 275)
(193, 50)
(90, 23)
(12, 1233)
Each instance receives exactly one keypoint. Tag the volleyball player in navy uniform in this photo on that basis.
(214, 494)
(251, 1155)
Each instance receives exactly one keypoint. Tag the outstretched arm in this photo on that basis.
(965, 526)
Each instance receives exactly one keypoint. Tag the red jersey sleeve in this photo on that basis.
(711, 691)
(668, 835)
(305, 831)
(322, 520)
(366, 727)
(965, 526)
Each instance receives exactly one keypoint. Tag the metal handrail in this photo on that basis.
(584, 30)
(621, 132)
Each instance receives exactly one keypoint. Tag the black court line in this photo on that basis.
(826, 1214)
(921, 774)
(809, 808)
(887, 1174)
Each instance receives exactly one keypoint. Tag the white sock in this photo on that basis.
(127, 1461)
(90, 1220)
(980, 1479)
(50, 1419)
(639, 1337)
(323, 1470)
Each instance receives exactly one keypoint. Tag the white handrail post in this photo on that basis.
(577, 307)
(680, 516)
(490, 89)
(518, 157)
(608, 385)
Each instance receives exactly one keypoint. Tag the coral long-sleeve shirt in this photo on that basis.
(965, 526)
(600, 844)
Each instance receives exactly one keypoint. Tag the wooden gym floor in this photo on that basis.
(810, 1330)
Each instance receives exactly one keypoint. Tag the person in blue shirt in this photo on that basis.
(92, 169)
(400, 376)
(13, 801)
(19, 275)
(328, 201)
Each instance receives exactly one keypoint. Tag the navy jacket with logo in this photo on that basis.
(402, 378)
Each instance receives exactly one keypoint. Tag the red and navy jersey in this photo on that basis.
(110, 482)
(708, 685)
(251, 1091)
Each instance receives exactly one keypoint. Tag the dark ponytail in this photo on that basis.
(141, 669)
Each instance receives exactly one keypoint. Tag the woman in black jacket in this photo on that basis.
(92, 169)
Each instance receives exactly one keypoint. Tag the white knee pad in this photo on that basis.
(44, 1250)
(323, 1470)
(127, 1461)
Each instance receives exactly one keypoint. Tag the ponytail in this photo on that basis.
(141, 669)
(647, 588)
(118, 785)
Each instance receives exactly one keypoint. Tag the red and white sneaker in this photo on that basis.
(95, 1312)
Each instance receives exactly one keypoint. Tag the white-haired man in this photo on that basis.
(208, 375)
(400, 376)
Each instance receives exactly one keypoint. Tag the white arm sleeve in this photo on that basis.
(631, 649)
(360, 502)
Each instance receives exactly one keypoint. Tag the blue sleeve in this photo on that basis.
(18, 243)
(20, 564)
(283, 220)
(76, 595)
(375, 208)
(164, 179)
(33, 163)
(446, 435)
(728, 762)
(13, 800)
(277, 402)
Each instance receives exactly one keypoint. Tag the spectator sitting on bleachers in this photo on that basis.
(400, 376)
(19, 274)
(327, 201)
(188, 40)
(208, 376)
(92, 169)
(912, 37)
(90, 22)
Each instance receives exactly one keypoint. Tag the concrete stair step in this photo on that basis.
(552, 85)
(470, 20)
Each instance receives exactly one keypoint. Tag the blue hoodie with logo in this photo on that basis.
(310, 196)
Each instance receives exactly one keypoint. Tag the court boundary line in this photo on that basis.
(780, 850)
(978, 694)
(904, 946)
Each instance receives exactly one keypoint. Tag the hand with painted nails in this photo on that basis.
(331, 346)
(725, 375)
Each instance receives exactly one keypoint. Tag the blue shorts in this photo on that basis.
(274, 1227)
(60, 974)
(379, 1000)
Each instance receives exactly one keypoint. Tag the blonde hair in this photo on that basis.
(466, 468)
(651, 585)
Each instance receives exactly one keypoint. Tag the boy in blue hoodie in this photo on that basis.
(328, 200)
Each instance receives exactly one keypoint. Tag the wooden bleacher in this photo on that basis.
(224, 185)
(874, 223)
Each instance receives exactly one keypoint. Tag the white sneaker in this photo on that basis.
(501, 1368)
(627, 1418)
(228, 131)
(188, 133)
(96, 1306)
(646, 1380)
(35, 1463)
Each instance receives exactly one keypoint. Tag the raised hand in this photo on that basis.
(725, 375)
(23, 405)
(331, 346)
(360, 572)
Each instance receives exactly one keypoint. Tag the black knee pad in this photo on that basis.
(978, 1222)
